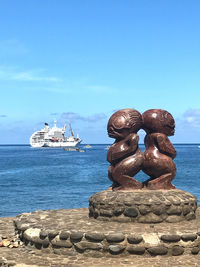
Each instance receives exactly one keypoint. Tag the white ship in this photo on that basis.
(54, 137)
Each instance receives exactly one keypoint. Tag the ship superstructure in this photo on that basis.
(54, 137)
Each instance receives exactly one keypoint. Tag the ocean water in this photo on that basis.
(46, 178)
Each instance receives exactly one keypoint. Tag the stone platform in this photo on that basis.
(72, 231)
(143, 206)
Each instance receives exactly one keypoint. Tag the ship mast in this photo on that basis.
(72, 133)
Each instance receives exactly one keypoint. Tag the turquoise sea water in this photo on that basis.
(32, 179)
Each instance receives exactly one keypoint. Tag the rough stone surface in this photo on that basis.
(117, 237)
(177, 250)
(139, 250)
(23, 256)
(143, 206)
(188, 237)
(160, 250)
(170, 238)
(116, 249)
(195, 250)
(134, 239)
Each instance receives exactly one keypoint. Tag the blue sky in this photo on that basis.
(79, 61)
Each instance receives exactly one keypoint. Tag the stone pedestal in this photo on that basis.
(143, 206)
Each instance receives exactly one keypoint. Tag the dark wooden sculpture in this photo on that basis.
(158, 157)
(124, 155)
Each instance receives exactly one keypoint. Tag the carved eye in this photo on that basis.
(119, 122)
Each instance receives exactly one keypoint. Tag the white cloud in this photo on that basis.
(192, 118)
(24, 76)
(71, 117)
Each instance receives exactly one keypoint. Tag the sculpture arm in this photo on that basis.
(123, 148)
(165, 146)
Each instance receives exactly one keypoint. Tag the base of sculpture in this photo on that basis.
(70, 232)
(143, 206)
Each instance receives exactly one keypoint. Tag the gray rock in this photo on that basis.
(158, 209)
(76, 236)
(106, 213)
(53, 233)
(189, 237)
(84, 245)
(43, 234)
(118, 211)
(144, 209)
(96, 237)
(116, 249)
(170, 238)
(173, 219)
(116, 237)
(190, 216)
(159, 250)
(186, 210)
(61, 243)
(131, 212)
(174, 210)
(137, 250)
(64, 235)
(177, 250)
(134, 239)
(195, 250)
(150, 218)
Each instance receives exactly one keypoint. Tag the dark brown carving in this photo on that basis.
(124, 155)
(159, 154)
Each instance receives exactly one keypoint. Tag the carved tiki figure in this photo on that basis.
(124, 155)
(159, 154)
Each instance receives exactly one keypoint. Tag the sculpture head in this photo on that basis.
(158, 121)
(123, 122)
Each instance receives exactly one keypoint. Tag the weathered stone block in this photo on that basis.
(118, 211)
(84, 245)
(64, 235)
(137, 250)
(195, 250)
(144, 209)
(116, 237)
(189, 237)
(174, 210)
(43, 234)
(76, 236)
(177, 250)
(106, 213)
(150, 218)
(159, 250)
(190, 216)
(95, 237)
(158, 209)
(170, 238)
(186, 210)
(134, 239)
(173, 219)
(61, 243)
(131, 212)
(53, 233)
(116, 249)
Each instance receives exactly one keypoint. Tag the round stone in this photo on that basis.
(159, 250)
(116, 237)
(170, 238)
(116, 249)
(177, 250)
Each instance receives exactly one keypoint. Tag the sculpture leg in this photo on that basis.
(127, 183)
(110, 176)
(124, 171)
(162, 182)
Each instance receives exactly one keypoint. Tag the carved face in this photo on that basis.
(158, 120)
(123, 122)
